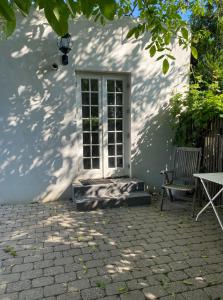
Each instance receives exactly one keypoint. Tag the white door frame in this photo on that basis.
(104, 170)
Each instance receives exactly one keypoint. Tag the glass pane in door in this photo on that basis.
(115, 123)
(90, 123)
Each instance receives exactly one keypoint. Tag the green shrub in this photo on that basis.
(193, 111)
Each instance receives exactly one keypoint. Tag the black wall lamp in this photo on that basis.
(64, 45)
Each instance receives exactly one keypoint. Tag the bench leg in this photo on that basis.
(170, 195)
(162, 199)
(193, 203)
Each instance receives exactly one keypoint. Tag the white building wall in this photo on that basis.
(37, 112)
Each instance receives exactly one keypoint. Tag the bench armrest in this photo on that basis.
(166, 173)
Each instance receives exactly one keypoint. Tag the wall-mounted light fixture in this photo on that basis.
(64, 45)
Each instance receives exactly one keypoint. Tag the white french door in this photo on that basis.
(103, 126)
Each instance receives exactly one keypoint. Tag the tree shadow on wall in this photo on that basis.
(38, 141)
(36, 118)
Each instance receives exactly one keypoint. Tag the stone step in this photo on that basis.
(106, 187)
(125, 199)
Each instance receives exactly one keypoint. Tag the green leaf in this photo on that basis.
(123, 290)
(87, 7)
(187, 282)
(108, 8)
(8, 14)
(160, 57)
(167, 39)
(41, 3)
(152, 51)
(73, 7)
(57, 14)
(184, 32)
(194, 52)
(149, 46)
(171, 56)
(165, 66)
(23, 5)
(131, 32)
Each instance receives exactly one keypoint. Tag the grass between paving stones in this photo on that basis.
(123, 290)
(10, 250)
(101, 284)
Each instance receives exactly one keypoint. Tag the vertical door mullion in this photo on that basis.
(79, 125)
(100, 106)
(105, 127)
(125, 127)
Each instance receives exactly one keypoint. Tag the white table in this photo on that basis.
(211, 177)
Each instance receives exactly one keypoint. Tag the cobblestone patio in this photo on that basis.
(50, 251)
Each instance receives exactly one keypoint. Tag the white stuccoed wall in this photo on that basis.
(37, 112)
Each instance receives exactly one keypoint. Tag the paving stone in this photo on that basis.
(74, 252)
(178, 265)
(42, 281)
(55, 289)
(87, 273)
(43, 264)
(116, 288)
(142, 272)
(63, 261)
(160, 269)
(135, 285)
(115, 297)
(173, 297)
(70, 296)
(101, 254)
(9, 278)
(78, 285)
(146, 262)
(92, 293)
(195, 271)
(53, 255)
(195, 262)
(214, 278)
(2, 288)
(214, 268)
(10, 296)
(94, 263)
(196, 295)
(73, 267)
(134, 295)
(178, 286)
(164, 251)
(65, 277)
(31, 274)
(61, 247)
(177, 275)
(33, 258)
(121, 276)
(12, 261)
(214, 292)
(53, 270)
(163, 259)
(158, 278)
(82, 258)
(32, 294)
(18, 286)
(179, 256)
(154, 292)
